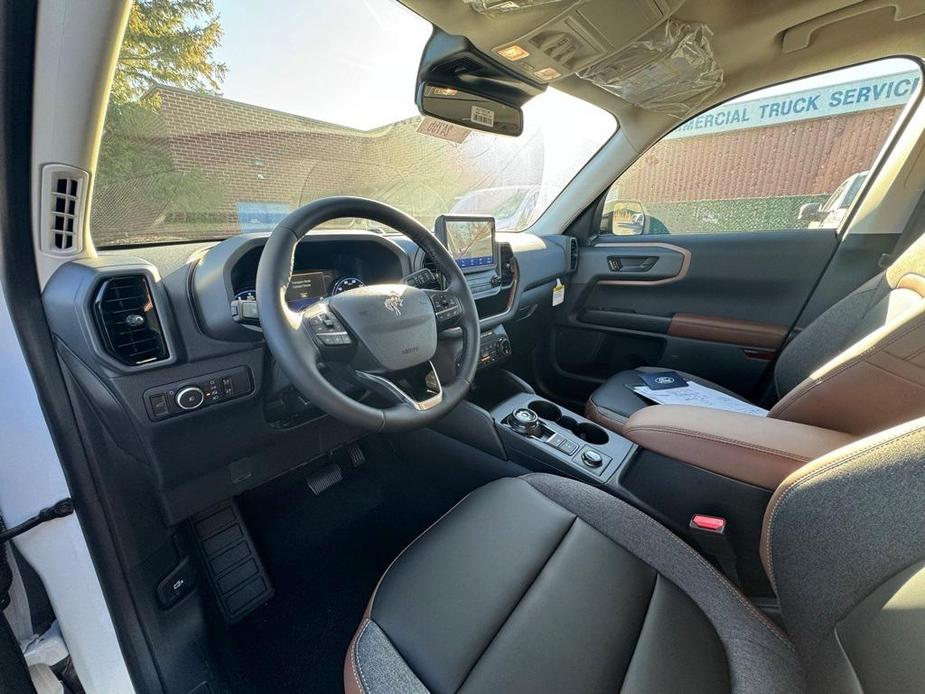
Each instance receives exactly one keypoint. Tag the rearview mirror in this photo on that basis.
(470, 110)
(459, 84)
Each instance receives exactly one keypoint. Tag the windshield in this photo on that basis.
(225, 116)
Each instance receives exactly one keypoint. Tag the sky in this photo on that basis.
(351, 62)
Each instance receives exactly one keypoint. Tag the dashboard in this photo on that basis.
(194, 393)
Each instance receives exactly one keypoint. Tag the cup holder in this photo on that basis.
(546, 410)
(592, 433)
(586, 431)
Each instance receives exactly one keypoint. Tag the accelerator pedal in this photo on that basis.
(355, 453)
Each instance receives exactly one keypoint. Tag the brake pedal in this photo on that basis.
(325, 478)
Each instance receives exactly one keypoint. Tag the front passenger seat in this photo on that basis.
(858, 368)
(544, 584)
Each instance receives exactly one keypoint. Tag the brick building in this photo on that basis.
(182, 165)
(212, 164)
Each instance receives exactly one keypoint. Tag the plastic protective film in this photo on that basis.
(496, 7)
(672, 73)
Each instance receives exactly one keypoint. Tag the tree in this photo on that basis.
(169, 42)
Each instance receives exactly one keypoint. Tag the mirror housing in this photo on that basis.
(810, 212)
(459, 84)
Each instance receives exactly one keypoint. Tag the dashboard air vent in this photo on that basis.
(64, 195)
(506, 258)
(128, 321)
(572, 254)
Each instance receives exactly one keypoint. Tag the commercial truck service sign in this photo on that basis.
(848, 97)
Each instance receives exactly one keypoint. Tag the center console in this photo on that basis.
(488, 270)
(541, 431)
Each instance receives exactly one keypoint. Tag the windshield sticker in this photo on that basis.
(483, 116)
(443, 130)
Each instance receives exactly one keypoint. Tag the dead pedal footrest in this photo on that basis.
(234, 569)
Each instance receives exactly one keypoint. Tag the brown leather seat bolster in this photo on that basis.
(756, 450)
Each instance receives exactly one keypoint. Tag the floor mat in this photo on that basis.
(324, 555)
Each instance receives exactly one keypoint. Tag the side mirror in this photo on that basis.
(810, 212)
(471, 110)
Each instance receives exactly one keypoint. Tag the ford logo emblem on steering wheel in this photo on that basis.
(394, 302)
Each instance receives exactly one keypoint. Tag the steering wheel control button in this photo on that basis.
(328, 330)
(592, 458)
(446, 306)
(190, 398)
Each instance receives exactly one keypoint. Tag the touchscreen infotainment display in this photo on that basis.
(305, 288)
(470, 240)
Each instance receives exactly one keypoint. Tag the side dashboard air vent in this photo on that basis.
(128, 322)
(572, 254)
(506, 261)
(64, 197)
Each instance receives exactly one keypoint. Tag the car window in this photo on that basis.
(791, 157)
(216, 126)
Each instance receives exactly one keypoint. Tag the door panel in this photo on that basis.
(718, 305)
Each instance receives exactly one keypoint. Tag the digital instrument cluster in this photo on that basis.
(308, 286)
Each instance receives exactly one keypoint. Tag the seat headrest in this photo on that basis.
(910, 261)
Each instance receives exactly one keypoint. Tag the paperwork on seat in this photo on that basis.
(698, 396)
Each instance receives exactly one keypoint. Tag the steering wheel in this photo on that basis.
(383, 336)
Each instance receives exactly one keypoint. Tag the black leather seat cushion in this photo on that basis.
(542, 584)
(612, 403)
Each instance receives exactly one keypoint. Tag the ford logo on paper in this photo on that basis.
(664, 380)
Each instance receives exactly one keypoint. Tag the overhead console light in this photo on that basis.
(495, 7)
(547, 74)
(513, 53)
(672, 71)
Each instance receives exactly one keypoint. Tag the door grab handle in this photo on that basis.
(631, 263)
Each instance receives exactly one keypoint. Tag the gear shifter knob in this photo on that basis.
(525, 422)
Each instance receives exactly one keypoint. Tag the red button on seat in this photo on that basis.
(711, 523)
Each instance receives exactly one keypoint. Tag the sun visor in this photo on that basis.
(493, 8)
(672, 73)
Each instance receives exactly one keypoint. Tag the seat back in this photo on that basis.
(860, 366)
(844, 545)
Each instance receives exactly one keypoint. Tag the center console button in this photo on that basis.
(592, 458)
(568, 447)
(556, 440)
